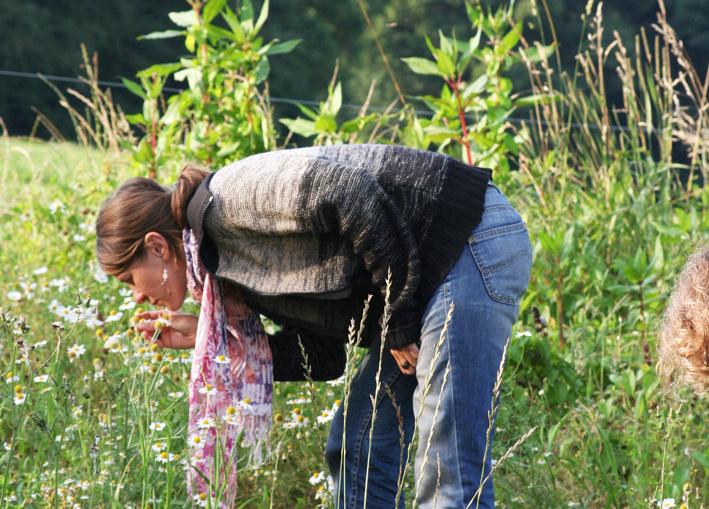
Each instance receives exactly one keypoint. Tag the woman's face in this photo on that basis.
(145, 277)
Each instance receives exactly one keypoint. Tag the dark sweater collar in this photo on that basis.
(197, 205)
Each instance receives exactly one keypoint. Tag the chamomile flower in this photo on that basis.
(208, 389)
(195, 440)
(41, 378)
(175, 394)
(317, 478)
(76, 351)
(222, 359)
(164, 457)
(57, 207)
(20, 398)
(157, 426)
(206, 423)
(159, 446)
(326, 416)
(201, 500)
(666, 503)
(114, 316)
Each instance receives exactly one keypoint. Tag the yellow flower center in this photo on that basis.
(231, 410)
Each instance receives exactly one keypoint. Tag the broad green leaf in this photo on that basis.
(136, 118)
(476, 87)
(535, 99)
(184, 18)
(221, 33)
(423, 66)
(167, 34)
(172, 114)
(247, 11)
(336, 99)
(262, 17)
(282, 47)
(539, 52)
(300, 126)
(445, 64)
(135, 88)
(658, 260)
(446, 44)
(212, 9)
(233, 22)
(702, 459)
(193, 76)
(325, 124)
(263, 68)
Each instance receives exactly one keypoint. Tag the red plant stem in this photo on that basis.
(461, 113)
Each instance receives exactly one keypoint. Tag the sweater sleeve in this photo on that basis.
(348, 201)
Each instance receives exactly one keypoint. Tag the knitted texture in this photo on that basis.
(303, 224)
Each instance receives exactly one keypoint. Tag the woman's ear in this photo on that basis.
(156, 244)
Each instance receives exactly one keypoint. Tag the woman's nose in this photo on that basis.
(139, 297)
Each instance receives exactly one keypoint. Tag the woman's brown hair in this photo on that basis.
(140, 206)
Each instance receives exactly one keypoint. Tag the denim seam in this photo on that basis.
(449, 381)
(492, 209)
(494, 232)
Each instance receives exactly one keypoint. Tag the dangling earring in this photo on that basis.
(164, 275)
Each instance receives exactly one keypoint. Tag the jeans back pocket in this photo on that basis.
(504, 256)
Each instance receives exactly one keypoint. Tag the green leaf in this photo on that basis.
(282, 47)
(212, 9)
(262, 17)
(193, 76)
(539, 52)
(476, 87)
(445, 64)
(336, 99)
(423, 66)
(136, 119)
(534, 99)
(247, 11)
(263, 68)
(167, 34)
(231, 20)
(702, 459)
(510, 40)
(172, 114)
(300, 126)
(184, 18)
(135, 88)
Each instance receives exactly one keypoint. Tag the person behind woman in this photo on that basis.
(302, 236)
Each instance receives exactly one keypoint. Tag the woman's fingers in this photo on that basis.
(407, 358)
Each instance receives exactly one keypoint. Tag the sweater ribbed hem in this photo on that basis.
(459, 211)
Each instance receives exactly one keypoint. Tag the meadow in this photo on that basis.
(614, 197)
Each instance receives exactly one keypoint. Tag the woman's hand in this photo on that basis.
(179, 335)
(406, 357)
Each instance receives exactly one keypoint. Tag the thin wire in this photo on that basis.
(422, 113)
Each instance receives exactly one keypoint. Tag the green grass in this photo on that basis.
(612, 214)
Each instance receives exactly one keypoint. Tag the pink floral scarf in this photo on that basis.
(231, 384)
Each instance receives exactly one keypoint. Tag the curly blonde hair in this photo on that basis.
(683, 335)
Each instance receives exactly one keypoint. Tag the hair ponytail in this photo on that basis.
(140, 206)
(188, 181)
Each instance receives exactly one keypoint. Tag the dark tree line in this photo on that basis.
(42, 36)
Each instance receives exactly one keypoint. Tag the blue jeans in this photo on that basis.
(485, 286)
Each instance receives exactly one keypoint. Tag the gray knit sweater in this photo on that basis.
(307, 233)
